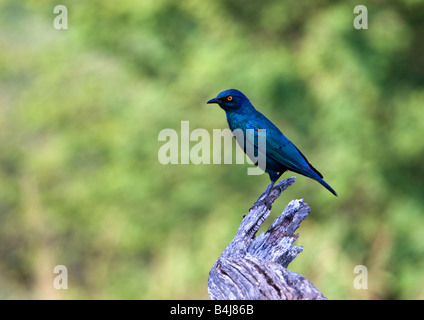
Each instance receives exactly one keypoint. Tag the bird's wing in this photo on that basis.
(279, 148)
(282, 150)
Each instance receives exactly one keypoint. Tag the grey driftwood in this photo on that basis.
(255, 267)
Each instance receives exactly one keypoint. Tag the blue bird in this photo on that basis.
(281, 154)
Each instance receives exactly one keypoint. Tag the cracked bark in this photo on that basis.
(255, 267)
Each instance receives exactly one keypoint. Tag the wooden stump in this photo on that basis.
(255, 267)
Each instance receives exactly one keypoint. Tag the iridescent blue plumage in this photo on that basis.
(281, 153)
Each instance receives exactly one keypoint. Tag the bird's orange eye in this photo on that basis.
(229, 98)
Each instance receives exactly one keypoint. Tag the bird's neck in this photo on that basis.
(237, 118)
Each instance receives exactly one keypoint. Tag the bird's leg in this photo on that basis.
(264, 200)
(274, 177)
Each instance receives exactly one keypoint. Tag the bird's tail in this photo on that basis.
(326, 185)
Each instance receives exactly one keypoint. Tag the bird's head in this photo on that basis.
(230, 99)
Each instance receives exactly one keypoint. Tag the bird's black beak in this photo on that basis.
(214, 100)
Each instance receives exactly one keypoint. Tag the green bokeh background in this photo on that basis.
(81, 110)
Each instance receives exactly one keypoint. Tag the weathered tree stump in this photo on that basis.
(255, 267)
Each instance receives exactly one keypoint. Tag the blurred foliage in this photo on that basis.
(81, 110)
